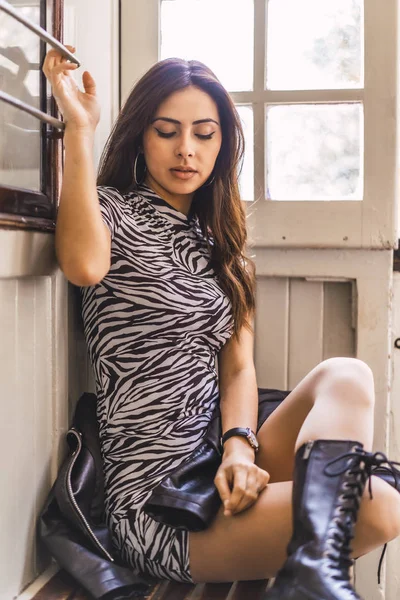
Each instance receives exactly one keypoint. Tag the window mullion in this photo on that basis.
(260, 29)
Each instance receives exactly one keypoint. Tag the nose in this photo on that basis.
(184, 146)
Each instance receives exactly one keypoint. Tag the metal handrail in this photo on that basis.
(42, 33)
(35, 112)
(46, 37)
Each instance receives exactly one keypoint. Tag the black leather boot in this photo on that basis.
(328, 483)
(392, 476)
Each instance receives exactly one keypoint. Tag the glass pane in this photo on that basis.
(19, 76)
(315, 152)
(315, 44)
(246, 179)
(219, 33)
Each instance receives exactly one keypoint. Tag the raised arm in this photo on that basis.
(82, 240)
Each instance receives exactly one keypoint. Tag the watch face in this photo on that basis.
(252, 439)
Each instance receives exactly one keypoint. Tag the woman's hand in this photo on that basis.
(80, 110)
(239, 481)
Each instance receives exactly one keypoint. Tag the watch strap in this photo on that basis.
(245, 432)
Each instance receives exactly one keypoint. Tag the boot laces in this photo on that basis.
(342, 531)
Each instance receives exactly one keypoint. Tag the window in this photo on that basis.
(315, 84)
(236, 37)
(29, 147)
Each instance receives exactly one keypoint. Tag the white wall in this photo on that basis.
(41, 352)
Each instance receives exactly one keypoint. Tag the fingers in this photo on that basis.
(54, 58)
(248, 482)
(239, 490)
(222, 485)
(89, 83)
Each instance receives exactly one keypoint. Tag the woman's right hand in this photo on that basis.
(80, 110)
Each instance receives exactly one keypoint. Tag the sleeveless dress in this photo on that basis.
(153, 327)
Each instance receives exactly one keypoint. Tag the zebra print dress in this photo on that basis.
(153, 327)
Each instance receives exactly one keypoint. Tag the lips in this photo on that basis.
(185, 170)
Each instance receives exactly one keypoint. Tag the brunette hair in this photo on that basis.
(218, 206)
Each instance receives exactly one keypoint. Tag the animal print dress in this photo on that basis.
(153, 327)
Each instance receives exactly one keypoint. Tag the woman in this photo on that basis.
(156, 245)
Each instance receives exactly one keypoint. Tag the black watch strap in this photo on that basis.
(243, 432)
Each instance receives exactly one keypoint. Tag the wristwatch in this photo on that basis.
(244, 432)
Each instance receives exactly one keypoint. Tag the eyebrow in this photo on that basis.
(169, 120)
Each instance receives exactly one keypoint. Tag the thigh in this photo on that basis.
(277, 436)
(249, 545)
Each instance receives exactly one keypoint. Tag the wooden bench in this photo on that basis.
(63, 587)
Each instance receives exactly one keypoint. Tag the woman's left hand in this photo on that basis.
(239, 481)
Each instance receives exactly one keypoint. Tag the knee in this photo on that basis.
(350, 372)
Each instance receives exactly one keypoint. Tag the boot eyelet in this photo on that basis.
(336, 520)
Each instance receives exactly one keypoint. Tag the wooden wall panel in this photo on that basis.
(339, 327)
(298, 324)
(305, 328)
(271, 332)
(23, 437)
(44, 401)
(8, 426)
(392, 587)
(26, 437)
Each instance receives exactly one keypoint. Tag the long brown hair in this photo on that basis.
(218, 206)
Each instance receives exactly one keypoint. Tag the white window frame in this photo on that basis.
(370, 223)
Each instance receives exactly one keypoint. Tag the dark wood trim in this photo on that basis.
(396, 259)
(63, 587)
(26, 223)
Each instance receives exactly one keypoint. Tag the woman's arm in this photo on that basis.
(238, 388)
(238, 480)
(82, 241)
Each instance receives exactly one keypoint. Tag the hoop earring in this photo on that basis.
(135, 171)
(212, 181)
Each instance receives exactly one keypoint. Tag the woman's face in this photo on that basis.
(185, 132)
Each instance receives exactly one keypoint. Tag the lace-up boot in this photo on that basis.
(392, 476)
(326, 500)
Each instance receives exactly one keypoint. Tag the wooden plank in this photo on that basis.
(305, 328)
(271, 332)
(339, 335)
(28, 411)
(42, 397)
(63, 587)
(60, 587)
(215, 591)
(176, 591)
(249, 590)
(9, 427)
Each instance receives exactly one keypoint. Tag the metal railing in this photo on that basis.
(49, 39)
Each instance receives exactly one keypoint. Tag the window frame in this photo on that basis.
(25, 209)
(370, 223)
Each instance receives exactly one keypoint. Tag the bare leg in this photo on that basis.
(344, 405)
(337, 400)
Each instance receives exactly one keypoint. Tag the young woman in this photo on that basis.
(156, 243)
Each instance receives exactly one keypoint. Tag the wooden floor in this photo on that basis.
(63, 587)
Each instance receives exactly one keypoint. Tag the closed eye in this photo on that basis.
(169, 135)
